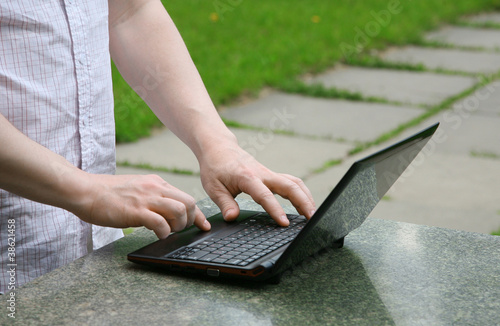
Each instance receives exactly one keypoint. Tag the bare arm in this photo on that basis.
(32, 171)
(145, 42)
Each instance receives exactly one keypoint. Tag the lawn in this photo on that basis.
(240, 46)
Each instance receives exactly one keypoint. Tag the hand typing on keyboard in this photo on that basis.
(229, 171)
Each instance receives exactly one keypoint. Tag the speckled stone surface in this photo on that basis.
(387, 273)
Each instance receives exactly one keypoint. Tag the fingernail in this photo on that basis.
(227, 214)
(206, 224)
(284, 219)
(312, 213)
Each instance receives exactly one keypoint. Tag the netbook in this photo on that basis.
(255, 248)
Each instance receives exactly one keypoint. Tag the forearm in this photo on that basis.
(152, 57)
(30, 170)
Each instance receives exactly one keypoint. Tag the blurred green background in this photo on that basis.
(240, 46)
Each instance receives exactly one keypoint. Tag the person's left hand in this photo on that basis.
(228, 171)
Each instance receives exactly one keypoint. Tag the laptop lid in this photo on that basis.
(354, 197)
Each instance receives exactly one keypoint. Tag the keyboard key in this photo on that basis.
(227, 256)
(245, 254)
(208, 257)
(219, 252)
(219, 260)
(198, 246)
(234, 261)
(197, 255)
(261, 247)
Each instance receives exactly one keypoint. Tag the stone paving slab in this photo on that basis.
(163, 149)
(491, 17)
(466, 133)
(449, 59)
(336, 119)
(396, 85)
(485, 101)
(467, 36)
(281, 153)
(471, 220)
(288, 154)
(445, 190)
(452, 191)
(450, 181)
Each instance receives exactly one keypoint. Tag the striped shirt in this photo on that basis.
(56, 88)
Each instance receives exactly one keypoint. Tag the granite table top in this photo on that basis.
(387, 273)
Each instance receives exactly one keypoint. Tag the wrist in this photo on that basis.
(214, 141)
(77, 189)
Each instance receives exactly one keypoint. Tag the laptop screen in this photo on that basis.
(352, 200)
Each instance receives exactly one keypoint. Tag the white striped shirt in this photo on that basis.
(56, 88)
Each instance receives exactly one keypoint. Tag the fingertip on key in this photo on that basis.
(284, 220)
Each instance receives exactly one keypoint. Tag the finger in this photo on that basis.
(297, 192)
(201, 221)
(264, 197)
(157, 223)
(225, 201)
(170, 192)
(302, 186)
(173, 211)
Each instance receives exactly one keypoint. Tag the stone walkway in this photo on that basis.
(456, 186)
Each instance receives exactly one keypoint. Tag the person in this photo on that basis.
(60, 198)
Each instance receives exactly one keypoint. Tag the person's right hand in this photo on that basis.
(139, 200)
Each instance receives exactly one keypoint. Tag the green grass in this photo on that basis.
(484, 154)
(241, 48)
(377, 62)
(487, 25)
(496, 232)
(446, 104)
(150, 167)
(327, 165)
(318, 90)
(128, 231)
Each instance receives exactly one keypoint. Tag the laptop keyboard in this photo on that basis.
(257, 238)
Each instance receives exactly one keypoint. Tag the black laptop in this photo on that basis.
(255, 248)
